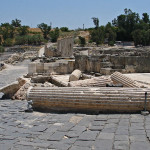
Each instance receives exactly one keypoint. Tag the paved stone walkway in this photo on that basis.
(11, 73)
(47, 131)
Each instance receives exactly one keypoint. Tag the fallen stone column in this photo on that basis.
(58, 82)
(119, 78)
(87, 99)
(94, 82)
(75, 75)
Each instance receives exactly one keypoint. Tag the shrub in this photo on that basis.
(64, 29)
(54, 35)
(8, 42)
(82, 41)
(2, 49)
(111, 43)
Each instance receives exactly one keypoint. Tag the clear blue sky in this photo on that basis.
(70, 13)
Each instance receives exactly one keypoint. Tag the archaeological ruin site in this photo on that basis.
(85, 79)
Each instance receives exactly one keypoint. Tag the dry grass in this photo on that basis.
(35, 30)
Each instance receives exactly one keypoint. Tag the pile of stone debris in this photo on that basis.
(18, 89)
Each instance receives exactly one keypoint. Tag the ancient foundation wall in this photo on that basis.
(132, 63)
(128, 64)
(58, 68)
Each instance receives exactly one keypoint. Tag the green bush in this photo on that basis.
(29, 39)
(54, 35)
(111, 43)
(2, 49)
(8, 42)
(82, 41)
(64, 29)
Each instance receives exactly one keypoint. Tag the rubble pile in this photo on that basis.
(21, 93)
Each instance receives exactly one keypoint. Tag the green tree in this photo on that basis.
(145, 17)
(8, 42)
(23, 30)
(54, 35)
(16, 23)
(97, 35)
(126, 23)
(45, 29)
(7, 30)
(37, 39)
(96, 22)
(64, 29)
(110, 33)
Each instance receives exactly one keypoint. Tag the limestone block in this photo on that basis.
(71, 65)
(12, 88)
(40, 67)
(75, 75)
(32, 68)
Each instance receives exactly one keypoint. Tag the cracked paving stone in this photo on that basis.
(58, 146)
(98, 123)
(121, 138)
(140, 146)
(45, 136)
(38, 128)
(138, 138)
(73, 134)
(41, 145)
(84, 143)
(79, 128)
(106, 136)
(103, 145)
(88, 136)
(79, 148)
(5, 146)
(69, 141)
(122, 132)
(66, 127)
(57, 136)
(109, 130)
(96, 128)
(137, 132)
(121, 145)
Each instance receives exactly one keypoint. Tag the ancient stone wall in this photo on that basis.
(65, 47)
(125, 64)
(48, 68)
(132, 63)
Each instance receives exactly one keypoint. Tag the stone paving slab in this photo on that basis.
(49, 131)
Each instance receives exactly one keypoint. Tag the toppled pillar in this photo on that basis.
(94, 82)
(75, 75)
(119, 78)
(58, 82)
(88, 99)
